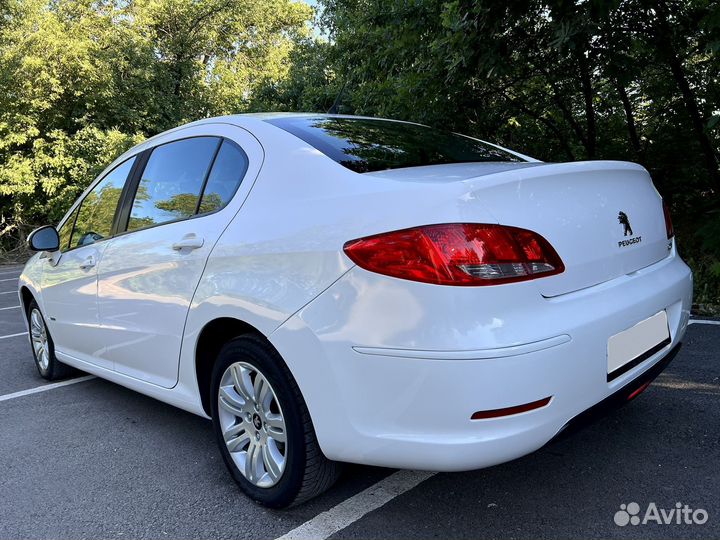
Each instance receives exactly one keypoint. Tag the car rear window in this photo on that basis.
(367, 145)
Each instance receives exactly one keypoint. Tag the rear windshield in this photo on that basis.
(366, 145)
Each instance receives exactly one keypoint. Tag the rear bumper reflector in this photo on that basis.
(638, 391)
(508, 411)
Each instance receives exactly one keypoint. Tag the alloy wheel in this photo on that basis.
(252, 424)
(39, 338)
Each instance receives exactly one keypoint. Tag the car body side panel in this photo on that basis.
(31, 279)
(70, 301)
(145, 286)
(285, 246)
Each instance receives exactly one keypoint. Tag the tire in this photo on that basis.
(42, 346)
(289, 472)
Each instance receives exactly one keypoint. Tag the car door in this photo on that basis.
(149, 273)
(69, 285)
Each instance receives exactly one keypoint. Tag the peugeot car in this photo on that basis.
(332, 288)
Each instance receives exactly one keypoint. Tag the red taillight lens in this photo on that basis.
(457, 254)
(668, 221)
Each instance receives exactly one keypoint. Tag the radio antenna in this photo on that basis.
(336, 103)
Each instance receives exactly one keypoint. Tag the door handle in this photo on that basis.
(189, 241)
(88, 263)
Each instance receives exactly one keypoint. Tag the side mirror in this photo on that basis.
(44, 239)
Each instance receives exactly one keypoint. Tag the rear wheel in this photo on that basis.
(263, 427)
(47, 364)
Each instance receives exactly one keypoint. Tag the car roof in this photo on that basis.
(254, 121)
(250, 120)
(244, 119)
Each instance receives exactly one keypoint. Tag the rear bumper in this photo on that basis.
(392, 370)
(620, 397)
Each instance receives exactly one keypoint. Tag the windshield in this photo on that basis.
(367, 145)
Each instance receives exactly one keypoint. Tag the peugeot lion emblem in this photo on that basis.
(625, 222)
(627, 231)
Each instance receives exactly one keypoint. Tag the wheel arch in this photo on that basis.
(26, 296)
(211, 339)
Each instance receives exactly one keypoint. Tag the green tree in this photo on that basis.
(83, 80)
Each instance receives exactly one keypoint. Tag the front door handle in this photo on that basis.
(88, 263)
(189, 241)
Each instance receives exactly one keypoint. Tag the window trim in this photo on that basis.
(75, 211)
(78, 205)
(128, 197)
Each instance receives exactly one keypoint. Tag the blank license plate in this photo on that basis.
(635, 345)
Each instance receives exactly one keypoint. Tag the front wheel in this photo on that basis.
(47, 364)
(263, 426)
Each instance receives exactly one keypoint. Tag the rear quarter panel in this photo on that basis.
(284, 246)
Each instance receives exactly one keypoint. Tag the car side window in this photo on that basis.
(97, 210)
(172, 182)
(65, 231)
(227, 172)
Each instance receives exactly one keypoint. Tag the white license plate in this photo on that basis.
(634, 345)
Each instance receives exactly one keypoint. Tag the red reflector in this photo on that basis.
(457, 254)
(638, 391)
(507, 411)
(668, 221)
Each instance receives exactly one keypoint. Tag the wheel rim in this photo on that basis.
(252, 424)
(39, 338)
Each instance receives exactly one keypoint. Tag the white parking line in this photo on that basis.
(11, 307)
(350, 510)
(45, 388)
(13, 335)
(9, 279)
(700, 321)
(9, 292)
(18, 272)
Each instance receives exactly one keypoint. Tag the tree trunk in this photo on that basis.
(552, 126)
(697, 120)
(587, 89)
(567, 114)
(630, 120)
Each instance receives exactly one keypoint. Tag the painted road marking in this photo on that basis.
(11, 307)
(45, 388)
(350, 510)
(699, 321)
(13, 335)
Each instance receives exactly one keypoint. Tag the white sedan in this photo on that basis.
(345, 289)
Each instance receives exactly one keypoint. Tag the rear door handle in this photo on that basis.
(88, 263)
(189, 241)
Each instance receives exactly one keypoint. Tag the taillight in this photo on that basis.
(668, 221)
(457, 254)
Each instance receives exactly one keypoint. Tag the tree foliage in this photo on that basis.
(83, 80)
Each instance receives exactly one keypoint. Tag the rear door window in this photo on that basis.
(227, 172)
(172, 182)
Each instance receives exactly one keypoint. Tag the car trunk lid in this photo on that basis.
(604, 218)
